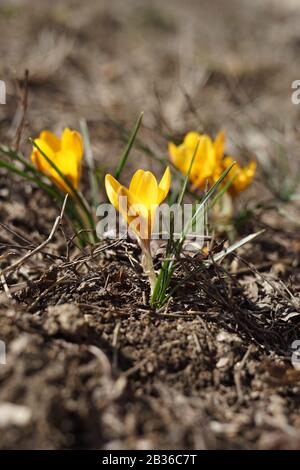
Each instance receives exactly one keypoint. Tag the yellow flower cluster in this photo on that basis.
(199, 156)
(144, 193)
(209, 162)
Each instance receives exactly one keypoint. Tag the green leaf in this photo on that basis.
(54, 194)
(90, 163)
(159, 295)
(125, 155)
(204, 200)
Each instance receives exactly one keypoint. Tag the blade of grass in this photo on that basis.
(162, 160)
(180, 199)
(158, 297)
(218, 257)
(71, 210)
(9, 166)
(131, 140)
(90, 162)
(14, 155)
(222, 191)
(203, 202)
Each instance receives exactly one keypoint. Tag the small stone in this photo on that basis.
(14, 415)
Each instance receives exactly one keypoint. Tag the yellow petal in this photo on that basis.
(172, 148)
(37, 158)
(207, 154)
(68, 164)
(204, 164)
(135, 183)
(136, 214)
(42, 164)
(219, 145)
(112, 187)
(51, 140)
(227, 161)
(180, 157)
(244, 177)
(164, 185)
(191, 139)
(144, 188)
(59, 181)
(72, 141)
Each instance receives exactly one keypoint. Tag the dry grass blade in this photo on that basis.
(36, 250)
(22, 115)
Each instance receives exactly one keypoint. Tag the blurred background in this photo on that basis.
(198, 64)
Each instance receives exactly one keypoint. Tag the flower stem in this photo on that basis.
(147, 262)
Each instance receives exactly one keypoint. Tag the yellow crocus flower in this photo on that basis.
(142, 199)
(204, 161)
(241, 176)
(219, 145)
(65, 152)
(210, 162)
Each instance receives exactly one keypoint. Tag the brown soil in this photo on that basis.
(88, 361)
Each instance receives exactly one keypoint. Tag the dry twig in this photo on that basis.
(22, 112)
(36, 250)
